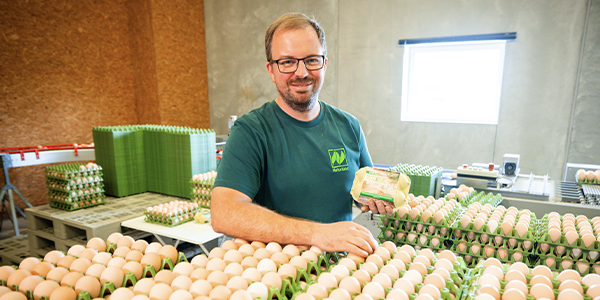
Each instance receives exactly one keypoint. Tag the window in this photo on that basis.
(453, 82)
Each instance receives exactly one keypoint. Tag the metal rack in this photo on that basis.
(35, 155)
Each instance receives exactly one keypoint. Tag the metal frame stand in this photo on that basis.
(7, 196)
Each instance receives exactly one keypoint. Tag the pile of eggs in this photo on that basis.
(539, 282)
(583, 175)
(202, 185)
(564, 233)
(174, 212)
(368, 279)
(460, 193)
(423, 210)
(87, 268)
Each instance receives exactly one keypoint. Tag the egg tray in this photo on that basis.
(441, 244)
(405, 223)
(71, 206)
(59, 195)
(586, 181)
(422, 178)
(530, 235)
(471, 295)
(70, 171)
(583, 267)
(479, 255)
(575, 251)
(64, 185)
(482, 198)
(165, 221)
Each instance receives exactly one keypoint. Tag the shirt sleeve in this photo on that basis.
(240, 167)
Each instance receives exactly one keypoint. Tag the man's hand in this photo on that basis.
(345, 236)
(378, 207)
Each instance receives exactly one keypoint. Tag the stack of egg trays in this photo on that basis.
(71, 187)
(512, 243)
(477, 272)
(406, 231)
(201, 192)
(584, 259)
(172, 220)
(422, 178)
(120, 149)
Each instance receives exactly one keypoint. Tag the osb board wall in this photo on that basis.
(180, 46)
(67, 66)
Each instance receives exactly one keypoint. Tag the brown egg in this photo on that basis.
(569, 294)
(112, 274)
(53, 256)
(350, 284)
(199, 273)
(118, 262)
(133, 267)
(591, 279)
(233, 269)
(122, 294)
(143, 286)
(309, 256)
(160, 291)
(357, 259)
(298, 262)
(540, 279)
(13, 296)
(44, 289)
(80, 265)
(17, 276)
(273, 279)
(181, 282)
(317, 290)
(5, 272)
(57, 273)
(237, 283)
(376, 259)
(89, 284)
(139, 245)
(95, 270)
(216, 252)
(273, 247)
(164, 276)
(251, 274)
(516, 284)
(540, 290)
(29, 283)
(370, 267)
(75, 250)
(121, 251)
(200, 288)
(153, 247)
(97, 243)
(170, 252)
(63, 293)
(216, 278)
(125, 241)
(215, 264)
(571, 284)
(229, 245)
(257, 244)
(114, 237)
(436, 280)
(134, 255)
(362, 276)
(513, 294)
(431, 290)
(390, 246)
(151, 259)
(42, 268)
(88, 253)
(568, 274)
(405, 285)
(279, 258)
(489, 290)
(29, 263)
(489, 279)
(220, 293)
(66, 261)
(413, 276)
(419, 267)
(374, 290)
(287, 270)
(403, 256)
(246, 249)
(199, 261)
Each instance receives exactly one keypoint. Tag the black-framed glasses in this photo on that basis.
(290, 65)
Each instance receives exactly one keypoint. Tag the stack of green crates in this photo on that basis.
(153, 158)
(422, 178)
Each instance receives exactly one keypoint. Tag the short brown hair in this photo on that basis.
(293, 21)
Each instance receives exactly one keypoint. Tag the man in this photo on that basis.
(288, 166)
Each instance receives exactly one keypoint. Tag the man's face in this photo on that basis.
(299, 90)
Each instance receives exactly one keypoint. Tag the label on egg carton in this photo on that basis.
(371, 183)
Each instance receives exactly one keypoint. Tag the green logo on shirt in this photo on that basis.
(338, 159)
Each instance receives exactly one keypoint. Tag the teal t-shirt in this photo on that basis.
(295, 168)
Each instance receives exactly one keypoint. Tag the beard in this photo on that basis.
(301, 102)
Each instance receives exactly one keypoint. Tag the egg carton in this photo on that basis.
(422, 178)
(71, 206)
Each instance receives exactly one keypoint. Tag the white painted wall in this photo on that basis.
(541, 80)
